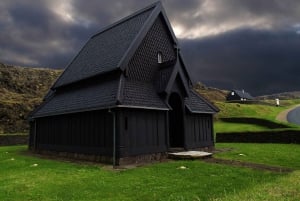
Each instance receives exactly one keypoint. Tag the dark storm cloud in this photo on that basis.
(258, 61)
(228, 39)
(211, 17)
(34, 35)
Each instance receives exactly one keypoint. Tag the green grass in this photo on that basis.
(224, 127)
(284, 155)
(24, 177)
(51, 180)
(284, 189)
(251, 110)
(267, 112)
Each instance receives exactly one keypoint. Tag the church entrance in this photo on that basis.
(176, 132)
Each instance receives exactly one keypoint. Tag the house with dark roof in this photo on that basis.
(126, 96)
(239, 95)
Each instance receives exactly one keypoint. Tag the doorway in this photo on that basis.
(176, 132)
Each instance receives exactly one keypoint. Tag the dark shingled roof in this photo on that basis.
(104, 51)
(138, 93)
(86, 98)
(196, 104)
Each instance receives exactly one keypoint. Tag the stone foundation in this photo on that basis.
(132, 160)
(75, 156)
(140, 159)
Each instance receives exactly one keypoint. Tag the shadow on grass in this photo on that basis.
(254, 121)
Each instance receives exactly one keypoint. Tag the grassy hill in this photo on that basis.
(282, 96)
(21, 90)
(210, 93)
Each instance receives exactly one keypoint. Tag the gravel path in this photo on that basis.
(282, 116)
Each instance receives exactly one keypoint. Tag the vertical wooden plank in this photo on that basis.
(96, 129)
(200, 119)
(161, 129)
(197, 131)
(189, 137)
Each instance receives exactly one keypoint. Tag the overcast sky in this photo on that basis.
(241, 44)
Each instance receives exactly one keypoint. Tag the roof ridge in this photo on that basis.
(122, 20)
(157, 8)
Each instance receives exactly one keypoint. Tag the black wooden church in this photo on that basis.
(127, 95)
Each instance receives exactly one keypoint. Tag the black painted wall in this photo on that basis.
(142, 132)
(86, 132)
(198, 130)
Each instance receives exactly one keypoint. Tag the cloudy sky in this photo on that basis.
(241, 44)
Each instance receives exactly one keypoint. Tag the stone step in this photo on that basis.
(189, 155)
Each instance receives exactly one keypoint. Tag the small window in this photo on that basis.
(159, 57)
(232, 93)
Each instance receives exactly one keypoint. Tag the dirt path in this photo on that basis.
(248, 165)
(282, 116)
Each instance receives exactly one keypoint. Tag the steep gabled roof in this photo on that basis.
(112, 47)
(93, 80)
(177, 72)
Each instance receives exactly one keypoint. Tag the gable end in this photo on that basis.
(144, 64)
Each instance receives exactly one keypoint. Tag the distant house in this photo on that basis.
(236, 95)
(126, 96)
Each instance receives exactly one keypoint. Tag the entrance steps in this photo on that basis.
(189, 154)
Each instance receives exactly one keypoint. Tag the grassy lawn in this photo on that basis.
(284, 155)
(248, 110)
(21, 179)
(267, 112)
(254, 110)
(24, 177)
(220, 126)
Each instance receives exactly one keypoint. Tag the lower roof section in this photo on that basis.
(142, 94)
(106, 94)
(83, 98)
(196, 104)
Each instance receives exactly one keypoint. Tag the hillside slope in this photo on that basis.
(210, 93)
(282, 96)
(21, 90)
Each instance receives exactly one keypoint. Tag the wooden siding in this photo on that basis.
(142, 132)
(198, 130)
(87, 132)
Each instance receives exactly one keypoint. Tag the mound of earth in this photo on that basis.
(21, 89)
